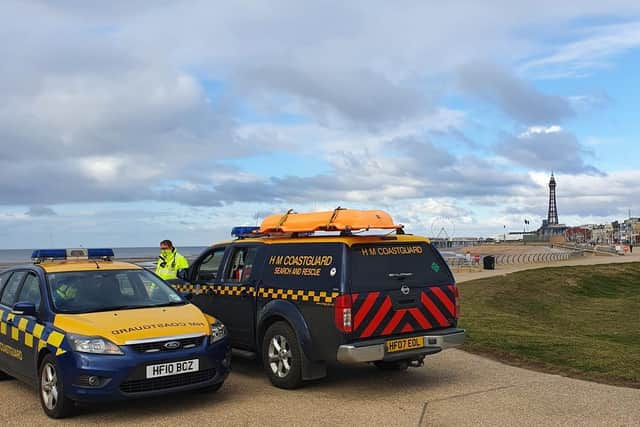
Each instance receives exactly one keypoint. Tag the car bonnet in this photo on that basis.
(123, 326)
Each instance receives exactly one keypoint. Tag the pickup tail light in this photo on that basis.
(342, 314)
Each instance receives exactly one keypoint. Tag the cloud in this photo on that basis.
(38, 211)
(515, 97)
(360, 95)
(591, 101)
(407, 168)
(456, 135)
(549, 149)
(589, 52)
(118, 106)
(540, 130)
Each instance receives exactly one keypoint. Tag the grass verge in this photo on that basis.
(579, 321)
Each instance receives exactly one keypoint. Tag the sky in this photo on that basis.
(123, 123)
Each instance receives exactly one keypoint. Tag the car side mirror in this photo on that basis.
(183, 274)
(24, 309)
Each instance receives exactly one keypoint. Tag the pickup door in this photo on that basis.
(235, 298)
(226, 279)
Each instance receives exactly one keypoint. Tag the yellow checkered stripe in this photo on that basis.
(267, 293)
(187, 288)
(217, 289)
(229, 290)
(30, 333)
(298, 295)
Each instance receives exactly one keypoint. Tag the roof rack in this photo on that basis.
(340, 219)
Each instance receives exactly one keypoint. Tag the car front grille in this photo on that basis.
(156, 346)
(163, 383)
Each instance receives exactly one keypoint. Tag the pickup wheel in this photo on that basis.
(399, 365)
(281, 356)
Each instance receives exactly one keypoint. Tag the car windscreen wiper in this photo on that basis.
(170, 303)
(120, 307)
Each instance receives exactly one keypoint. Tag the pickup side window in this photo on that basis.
(207, 271)
(304, 266)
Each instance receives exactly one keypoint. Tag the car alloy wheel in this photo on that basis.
(49, 386)
(280, 356)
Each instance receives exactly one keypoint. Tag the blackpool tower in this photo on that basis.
(552, 214)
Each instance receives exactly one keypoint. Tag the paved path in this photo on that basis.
(463, 275)
(453, 388)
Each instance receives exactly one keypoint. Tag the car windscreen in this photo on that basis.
(387, 266)
(106, 290)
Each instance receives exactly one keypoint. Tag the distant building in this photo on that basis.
(581, 234)
(602, 234)
(454, 242)
(616, 231)
(630, 231)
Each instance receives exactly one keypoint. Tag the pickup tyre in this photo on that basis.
(282, 356)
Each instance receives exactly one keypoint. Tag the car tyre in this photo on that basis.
(398, 365)
(282, 356)
(51, 390)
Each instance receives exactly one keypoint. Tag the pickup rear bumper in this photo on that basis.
(375, 350)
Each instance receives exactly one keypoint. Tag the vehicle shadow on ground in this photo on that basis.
(248, 381)
(160, 406)
(358, 377)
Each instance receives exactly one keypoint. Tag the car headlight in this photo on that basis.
(95, 345)
(218, 331)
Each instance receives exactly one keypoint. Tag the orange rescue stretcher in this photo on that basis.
(339, 219)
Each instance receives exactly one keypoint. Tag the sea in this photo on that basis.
(24, 255)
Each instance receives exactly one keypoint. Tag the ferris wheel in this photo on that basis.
(443, 227)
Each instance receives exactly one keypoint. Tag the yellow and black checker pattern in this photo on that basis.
(30, 333)
(229, 290)
(298, 295)
(187, 288)
(266, 293)
(215, 289)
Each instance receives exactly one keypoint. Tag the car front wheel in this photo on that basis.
(54, 403)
